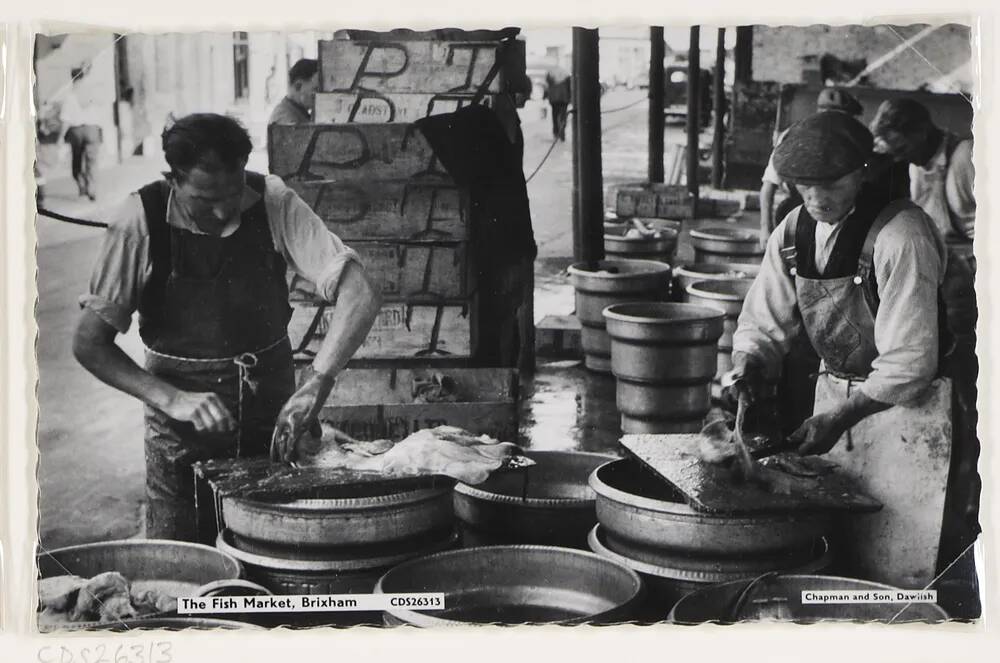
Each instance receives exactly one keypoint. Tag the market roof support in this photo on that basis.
(718, 109)
(588, 188)
(693, 111)
(656, 103)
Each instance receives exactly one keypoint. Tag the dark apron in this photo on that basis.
(213, 316)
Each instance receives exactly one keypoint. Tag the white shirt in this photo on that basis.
(909, 264)
(944, 189)
(78, 109)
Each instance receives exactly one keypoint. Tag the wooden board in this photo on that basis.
(376, 108)
(712, 488)
(667, 201)
(400, 330)
(405, 272)
(559, 336)
(409, 210)
(351, 152)
(410, 66)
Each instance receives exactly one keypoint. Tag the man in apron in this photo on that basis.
(202, 257)
(862, 281)
(941, 183)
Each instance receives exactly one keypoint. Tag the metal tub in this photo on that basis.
(662, 248)
(516, 585)
(685, 275)
(780, 597)
(664, 357)
(385, 517)
(726, 296)
(549, 503)
(635, 506)
(720, 244)
(614, 281)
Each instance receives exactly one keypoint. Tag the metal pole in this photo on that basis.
(588, 216)
(693, 111)
(718, 109)
(656, 102)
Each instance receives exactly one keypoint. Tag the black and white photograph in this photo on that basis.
(506, 325)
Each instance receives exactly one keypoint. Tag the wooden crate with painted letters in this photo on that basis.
(351, 153)
(401, 330)
(403, 210)
(386, 403)
(406, 272)
(666, 201)
(379, 108)
(424, 66)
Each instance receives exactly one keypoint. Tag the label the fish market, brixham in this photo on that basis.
(816, 596)
(187, 605)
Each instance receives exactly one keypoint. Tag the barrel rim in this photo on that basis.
(668, 237)
(705, 289)
(308, 506)
(230, 561)
(313, 566)
(654, 268)
(821, 561)
(725, 234)
(685, 269)
(537, 502)
(709, 314)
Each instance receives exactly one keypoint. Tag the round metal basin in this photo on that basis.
(661, 224)
(648, 248)
(613, 282)
(726, 296)
(663, 343)
(372, 519)
(721, 244)
(174, 567)
(635, 506)
(780, 597)
(169, 624)
(685, 275)
(516, 585)
(549, 503)
(339, 573)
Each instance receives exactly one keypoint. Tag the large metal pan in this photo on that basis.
(186, 567)
(375, 519)
(167, 624)
(635, 506)
(516, 585)
(549, 503)
(780, 597)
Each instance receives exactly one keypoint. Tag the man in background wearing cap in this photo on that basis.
(862, 280)
(296, 106)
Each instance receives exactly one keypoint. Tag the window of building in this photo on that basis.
(241, 65)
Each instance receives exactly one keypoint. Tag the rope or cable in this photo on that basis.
(69, 219)
(542, 162)
(626, 107)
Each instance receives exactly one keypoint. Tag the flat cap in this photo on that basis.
(822, 148)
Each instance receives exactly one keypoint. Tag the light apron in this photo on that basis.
(900, 456)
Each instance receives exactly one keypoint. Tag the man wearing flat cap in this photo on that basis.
(861, 278)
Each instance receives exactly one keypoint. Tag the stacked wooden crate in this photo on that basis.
(366, 170)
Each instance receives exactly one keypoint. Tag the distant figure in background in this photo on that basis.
(82, 117)
(559, 92)
(296, 107)
(49, 131)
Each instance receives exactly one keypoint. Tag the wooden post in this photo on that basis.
(693, 112)
(656, 82)
(588, 197)
(743, 54)
(719, 109)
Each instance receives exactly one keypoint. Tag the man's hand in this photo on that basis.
(746, 380)
(205, 410)
(300, 414)
(819, 433)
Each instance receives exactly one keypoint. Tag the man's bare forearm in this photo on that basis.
(95, 348)
(357, 306)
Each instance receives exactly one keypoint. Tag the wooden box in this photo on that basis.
(401, 330)
(380, 403)
(665, 201)
(405, 272)
(350, 152)
(410, 66)
(376, 108)
(406, 210)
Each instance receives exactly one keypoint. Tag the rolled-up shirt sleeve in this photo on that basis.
(309, 248)
(908, 269)
(770, 318)
(122, 266)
